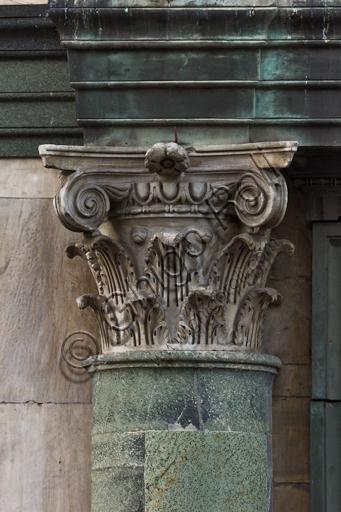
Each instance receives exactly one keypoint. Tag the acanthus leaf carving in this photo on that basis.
(225, 311)
(245, 262)
(202, 324)
(212, 317)
(249, 323)
(125, 316)
(188, 251)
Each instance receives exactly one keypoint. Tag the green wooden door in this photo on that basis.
(326, 369)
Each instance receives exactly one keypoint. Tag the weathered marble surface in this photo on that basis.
(45, 410)
(20, 2)
(293, 380)
(27, 178)
(38, 306)
(45, 457)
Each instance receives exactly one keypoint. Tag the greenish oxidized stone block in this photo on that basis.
(143, 459)
(117, 449)
(117, 490)
(153, 398)
(299, 103)
(142, 399)
(154, 103)
(212, 64)
(235, 400)
(211, 472)
(313, 63)
(113, 43)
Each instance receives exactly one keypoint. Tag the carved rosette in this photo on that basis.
(178, 242)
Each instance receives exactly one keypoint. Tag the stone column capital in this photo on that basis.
(178, 239)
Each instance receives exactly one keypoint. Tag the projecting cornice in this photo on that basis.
(178, 240)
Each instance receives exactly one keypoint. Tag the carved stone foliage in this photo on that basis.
(231, 309)
(126, 316)
(173, 306)
(189, 252)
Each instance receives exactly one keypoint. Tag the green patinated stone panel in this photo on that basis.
(117, 449)
(298, 103)
(300, 63)
(37, 104)
(213, 64)
(119, 24)
(27, 31)
(185, 432)
(154, 398)
(321, 134)
(211, 472)
(134, 400)
(166, 102)
(325, 417)
(166, 3)
(306, 23)
(117, 490)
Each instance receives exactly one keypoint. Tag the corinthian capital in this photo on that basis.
(178, 240)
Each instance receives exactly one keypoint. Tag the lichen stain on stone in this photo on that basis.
(160, 506)
(178, 465)
(171, 481)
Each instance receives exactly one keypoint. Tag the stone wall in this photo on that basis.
(288, 336)
(45, 408)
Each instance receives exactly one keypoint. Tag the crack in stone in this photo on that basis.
(201, 423)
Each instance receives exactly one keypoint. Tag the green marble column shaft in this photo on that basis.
(182, 431)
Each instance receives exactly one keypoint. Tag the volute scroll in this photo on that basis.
(178, 242)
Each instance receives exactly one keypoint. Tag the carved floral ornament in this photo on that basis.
(167, 159)
(177, 241)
